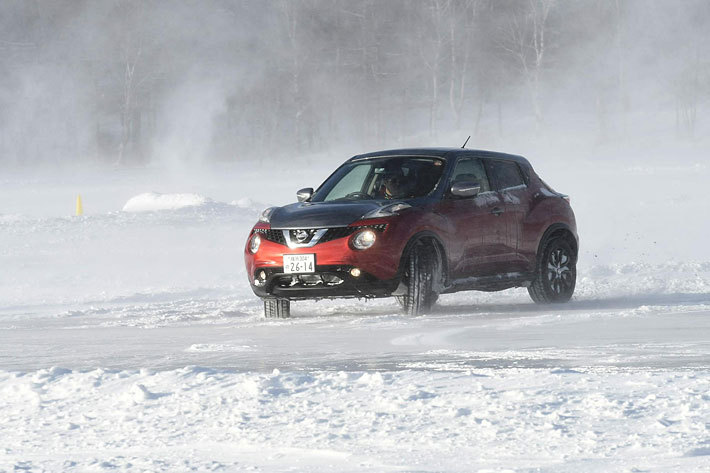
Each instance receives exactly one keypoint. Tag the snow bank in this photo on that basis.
(634, 278)
(152, 201)
(204, 420)
(245, 203)
(11, 218)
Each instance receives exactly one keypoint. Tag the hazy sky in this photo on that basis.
(197, 81)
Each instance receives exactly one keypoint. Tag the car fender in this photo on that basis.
(546, 216)
(424, 235)
(550, 230)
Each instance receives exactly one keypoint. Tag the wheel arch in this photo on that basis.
(559, 230)
(430, 238)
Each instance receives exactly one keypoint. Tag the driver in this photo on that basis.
(395, 185)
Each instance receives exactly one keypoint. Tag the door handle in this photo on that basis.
(497, 211)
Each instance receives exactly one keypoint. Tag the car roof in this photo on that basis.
(442, 153)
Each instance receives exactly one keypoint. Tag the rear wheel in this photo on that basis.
(555, 273)
(278, 308)
(422, 270)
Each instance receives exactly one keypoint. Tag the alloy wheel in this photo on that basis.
(559, 271)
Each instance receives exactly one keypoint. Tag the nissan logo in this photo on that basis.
(301, 235)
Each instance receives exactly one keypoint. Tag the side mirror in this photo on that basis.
(304, 194)
(465, 189)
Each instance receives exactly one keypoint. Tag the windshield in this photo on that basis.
(382, 178)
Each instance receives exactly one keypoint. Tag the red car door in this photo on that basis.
(478, 232)
(510, 183)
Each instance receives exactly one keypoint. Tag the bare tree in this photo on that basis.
(137, 74)
(131, 56)
(432, 50)
(689, 91)
(294, 15)
(462, 16)
(524, 38)
(621, 63)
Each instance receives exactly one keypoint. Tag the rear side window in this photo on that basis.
(504, 174)
(471, 169)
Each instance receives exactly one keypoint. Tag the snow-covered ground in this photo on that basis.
(130, 341)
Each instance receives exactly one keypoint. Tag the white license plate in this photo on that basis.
(300, 263)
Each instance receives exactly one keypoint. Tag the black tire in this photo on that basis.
(421, 270)
(402, 300)
(555, 273)
(278, 308)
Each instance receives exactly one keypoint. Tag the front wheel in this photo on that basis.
(422, 270)
(555, 273)
(402, 300)
(279, 308)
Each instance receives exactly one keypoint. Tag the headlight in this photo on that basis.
(254, 243)
(266, 215)
(364, 239)
(387, 210)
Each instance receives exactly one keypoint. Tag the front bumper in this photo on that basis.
(379, 266)
(325, 282)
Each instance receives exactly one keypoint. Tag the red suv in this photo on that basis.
(413, 224)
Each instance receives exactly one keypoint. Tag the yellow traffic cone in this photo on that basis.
(79, 208)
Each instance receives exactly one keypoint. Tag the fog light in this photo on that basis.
(355, 272)
(260, 278)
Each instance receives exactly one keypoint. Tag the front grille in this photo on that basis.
(332, 234)
(380, 227)
(276, 236)
(335, 233)
(302, 237)
(342, 232)
(311, 280)
(326, 279)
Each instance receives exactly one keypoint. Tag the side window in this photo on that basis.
(504, 174)
(471, 169)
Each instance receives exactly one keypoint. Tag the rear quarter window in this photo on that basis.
(504, 174)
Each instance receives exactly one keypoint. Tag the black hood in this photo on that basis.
(322, 214)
